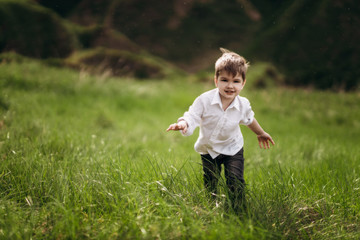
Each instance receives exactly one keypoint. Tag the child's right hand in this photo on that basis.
(182, 125)
(265, 139)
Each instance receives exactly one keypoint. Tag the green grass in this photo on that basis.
(88, 158)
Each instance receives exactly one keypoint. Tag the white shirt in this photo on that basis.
(219, 130)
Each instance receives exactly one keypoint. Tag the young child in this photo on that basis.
(218, 113)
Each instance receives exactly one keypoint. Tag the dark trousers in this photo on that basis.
(234, 174)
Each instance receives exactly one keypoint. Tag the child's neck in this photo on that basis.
(226, 102)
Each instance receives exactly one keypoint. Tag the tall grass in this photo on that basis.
(83, 157)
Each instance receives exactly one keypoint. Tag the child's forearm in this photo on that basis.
(256, 128)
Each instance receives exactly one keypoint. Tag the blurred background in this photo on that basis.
(304, 43)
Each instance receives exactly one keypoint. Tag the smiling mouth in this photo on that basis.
(229, 92)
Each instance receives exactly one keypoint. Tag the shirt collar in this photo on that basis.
(217, 100)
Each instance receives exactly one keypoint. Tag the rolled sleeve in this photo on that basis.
(248, 113)
(190, 130)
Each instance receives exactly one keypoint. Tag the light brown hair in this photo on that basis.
(232, 63)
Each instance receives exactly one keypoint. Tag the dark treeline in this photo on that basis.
(314, 43)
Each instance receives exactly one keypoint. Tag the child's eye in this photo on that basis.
(224, 80)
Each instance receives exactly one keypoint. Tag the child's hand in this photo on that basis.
(264, 139)
(182, 125)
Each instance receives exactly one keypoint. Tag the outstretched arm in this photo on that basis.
(190, 120)
(182, 125)
(263, 137)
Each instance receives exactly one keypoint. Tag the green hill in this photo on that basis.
(34, 31)
(314, 43)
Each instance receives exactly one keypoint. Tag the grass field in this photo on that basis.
(85, 157)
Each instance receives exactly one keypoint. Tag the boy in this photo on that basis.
(218, 113)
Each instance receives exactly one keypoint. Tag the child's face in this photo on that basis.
(229, 86)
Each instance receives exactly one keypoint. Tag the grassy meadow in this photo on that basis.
(84, 157)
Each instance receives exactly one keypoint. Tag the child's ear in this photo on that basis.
(243, 84)
(215, 81)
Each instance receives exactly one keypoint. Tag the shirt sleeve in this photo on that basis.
(193, 116)
(248, 113)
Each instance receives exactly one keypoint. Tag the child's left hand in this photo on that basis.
(265, 140)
